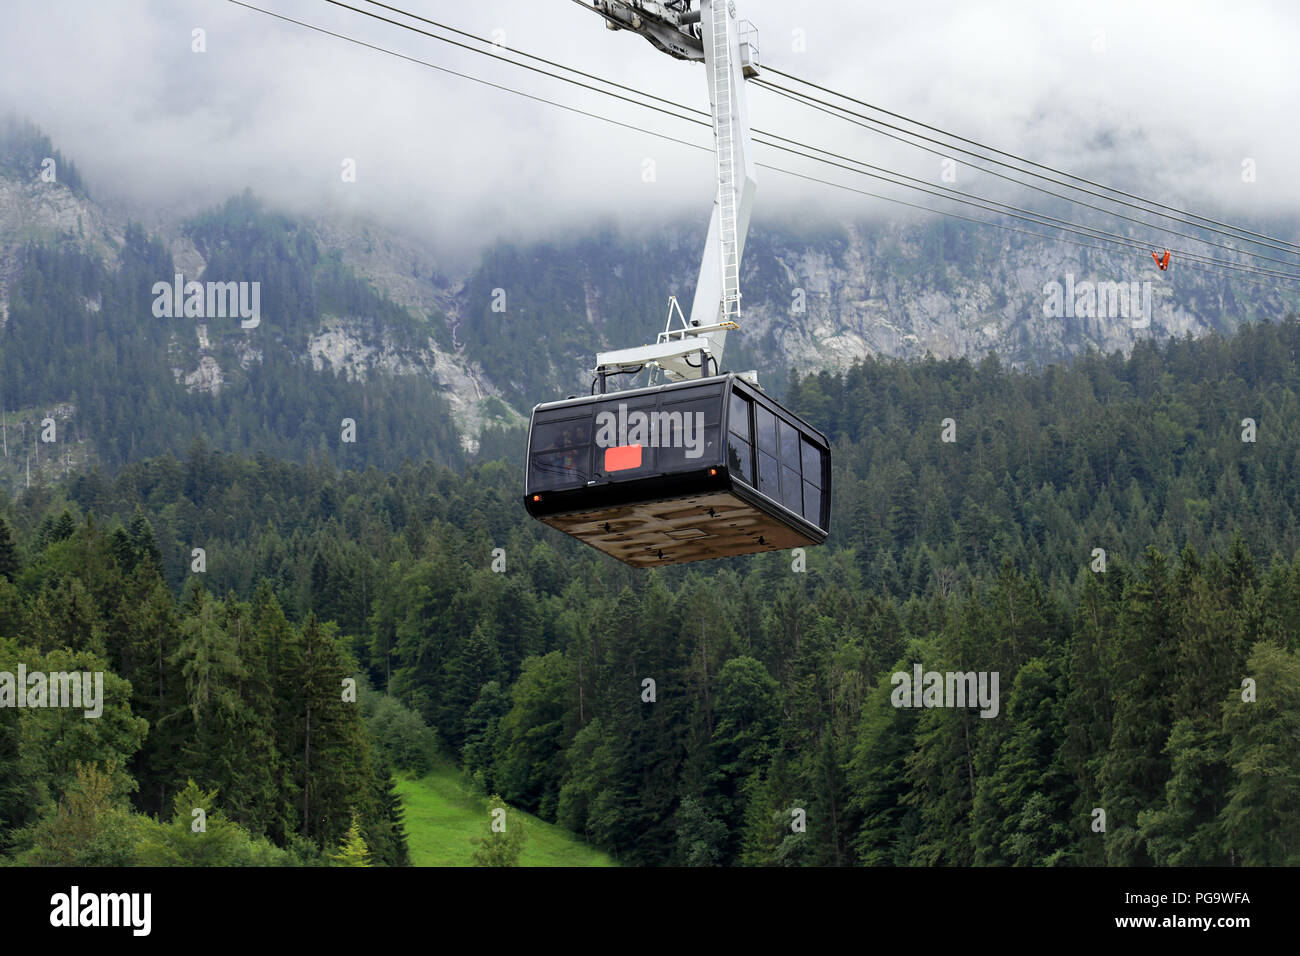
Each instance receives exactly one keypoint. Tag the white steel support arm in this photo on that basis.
(717, 294)
(729, 48)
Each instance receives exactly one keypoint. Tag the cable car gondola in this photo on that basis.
(704, 466)
(680, 472)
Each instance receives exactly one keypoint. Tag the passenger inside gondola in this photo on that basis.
(560, 453)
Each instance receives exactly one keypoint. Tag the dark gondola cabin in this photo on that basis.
(682, 472)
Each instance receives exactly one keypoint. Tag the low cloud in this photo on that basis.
(1168, 101)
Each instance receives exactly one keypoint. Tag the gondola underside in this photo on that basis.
(715, 524)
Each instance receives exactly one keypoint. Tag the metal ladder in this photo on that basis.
(724, 131)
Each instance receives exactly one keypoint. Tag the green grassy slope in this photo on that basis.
(442, 817)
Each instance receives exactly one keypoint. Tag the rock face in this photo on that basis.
(208, 377)
(33, 210)
(189, 262)
(408, 275)
(967, 291)
(341, 348)
(878, 290)
(824, 300)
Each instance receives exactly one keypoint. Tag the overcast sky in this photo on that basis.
(1167, 97)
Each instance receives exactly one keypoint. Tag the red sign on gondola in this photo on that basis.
(622, 458)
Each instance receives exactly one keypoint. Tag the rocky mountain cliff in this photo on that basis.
(826, 298)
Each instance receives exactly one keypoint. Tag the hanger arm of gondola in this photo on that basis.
(729, 49)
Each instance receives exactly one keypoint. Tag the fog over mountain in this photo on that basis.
(1168, 99)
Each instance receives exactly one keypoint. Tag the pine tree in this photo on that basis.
(324, 733)
(1022, 803)
(143, 542)
(386, 833)
(505, 839)
(483, 735)
(1185, 830)
(533, 732)
(474, 664)
(877, 782)
(1261, 821)
(747, 714)
(1136, 766)
(9, 564)
(352, 849)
